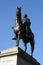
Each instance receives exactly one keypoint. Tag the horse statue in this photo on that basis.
(20, 32)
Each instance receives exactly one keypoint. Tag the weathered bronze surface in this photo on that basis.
(22, 30)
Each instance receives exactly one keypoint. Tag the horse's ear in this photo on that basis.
(17, 7)
(20, 8)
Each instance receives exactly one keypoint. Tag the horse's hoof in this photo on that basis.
(16, 45)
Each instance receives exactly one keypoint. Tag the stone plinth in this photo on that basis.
(16, 56)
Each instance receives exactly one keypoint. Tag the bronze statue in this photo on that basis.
(22, 30)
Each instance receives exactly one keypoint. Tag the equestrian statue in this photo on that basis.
(22, 30)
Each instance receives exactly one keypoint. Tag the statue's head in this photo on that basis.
(25, 15)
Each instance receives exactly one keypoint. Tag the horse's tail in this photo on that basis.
(32, 46)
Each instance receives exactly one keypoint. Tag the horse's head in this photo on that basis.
(18, 12)
(18, 20)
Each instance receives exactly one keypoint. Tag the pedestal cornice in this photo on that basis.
(19, 52)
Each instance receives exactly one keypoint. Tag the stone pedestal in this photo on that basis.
(16, 56)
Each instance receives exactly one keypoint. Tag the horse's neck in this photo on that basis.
(17, 22)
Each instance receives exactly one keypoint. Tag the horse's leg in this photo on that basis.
(32, 47)
(25, 47)
(17, 40)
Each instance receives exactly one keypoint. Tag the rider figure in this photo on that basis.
(27, 22)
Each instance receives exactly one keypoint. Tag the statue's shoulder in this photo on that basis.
(28, 19)
(28, 22)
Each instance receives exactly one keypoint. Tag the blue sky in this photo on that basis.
(34, 9)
